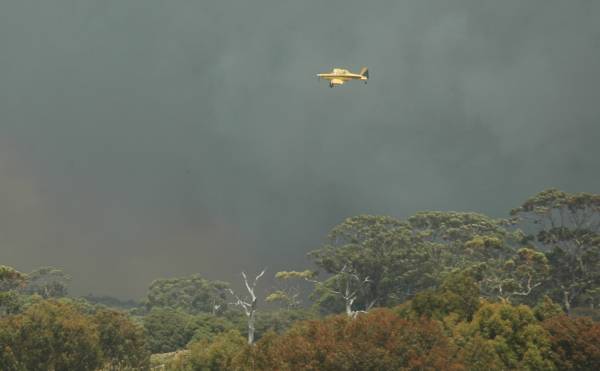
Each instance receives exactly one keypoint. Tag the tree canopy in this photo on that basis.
(566, 227)
(192, 294)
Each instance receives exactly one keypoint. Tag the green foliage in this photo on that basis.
(173, 361)
(286, 275)
(219, 354)
(515, 276)
(111, 302)
(547, 309)
(567, 227)
(377, 257)
(10, 278)
(458, 240)
(279, 296)
(123, 343)
(457, 227)
(278, 321)
(504, 268)
(505, 337)
(80, 304)
(57, 335)
(207, 326)
(289, 292)
(10, 300)
(458, 294)
(593, 313)
(167, 329)
(192, 294)
(387, 261)
(49, 336)
(8, 359)
(327, 301)
(48, 282)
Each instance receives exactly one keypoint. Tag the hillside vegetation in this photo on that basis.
(435, 291)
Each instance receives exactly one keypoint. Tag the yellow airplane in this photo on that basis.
(339, 76)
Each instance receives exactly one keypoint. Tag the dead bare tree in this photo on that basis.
(248, 305)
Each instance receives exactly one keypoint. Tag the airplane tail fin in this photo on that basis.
(364, 72)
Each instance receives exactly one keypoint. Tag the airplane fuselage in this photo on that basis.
(339, 76)
(342, 76)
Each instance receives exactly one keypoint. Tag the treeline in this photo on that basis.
(445, 290)
(449, 328)
(67, 335)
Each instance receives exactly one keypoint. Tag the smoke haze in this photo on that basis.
(142, 139)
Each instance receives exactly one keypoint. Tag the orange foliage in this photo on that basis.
(575, 342)
(378, 340)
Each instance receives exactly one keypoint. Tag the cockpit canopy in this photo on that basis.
(340, 71)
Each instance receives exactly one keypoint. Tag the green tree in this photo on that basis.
(220, 354)
(503, 336)
(381, 260)
(48, 282)
(497, 254)
(517, 275)
(123, 343)
(566, 226)
(547, 309)
(371, 260)
(289, 292)
(280, 320)
(206, 326)
(167, 329)
(458, 295)
(111, 302)
(50, 336)
(10, 281)
(8, 333)
(192, 294)
(10, 278)
(460, 238)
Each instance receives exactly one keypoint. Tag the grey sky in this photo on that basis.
(149, 138)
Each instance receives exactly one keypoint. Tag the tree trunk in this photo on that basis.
(567, 302)
(349, 308)
(251, 328)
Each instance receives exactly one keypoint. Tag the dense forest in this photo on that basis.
(437, 290)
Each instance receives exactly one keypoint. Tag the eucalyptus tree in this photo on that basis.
(458, 239)
(10, 280)
(192, 294)
(506, 266)
(512, 276)
(48, 282)
(289, 292)
(371, 261)
(379, 260)
(566, 226)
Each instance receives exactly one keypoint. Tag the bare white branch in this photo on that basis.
(249, 306)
